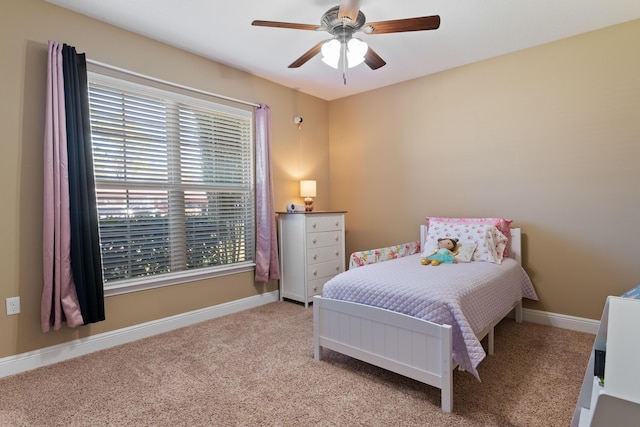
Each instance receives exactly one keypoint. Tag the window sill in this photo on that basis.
(152, 282)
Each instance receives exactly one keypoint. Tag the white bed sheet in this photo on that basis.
(467, 296)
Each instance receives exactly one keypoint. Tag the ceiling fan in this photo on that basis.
(342, 22)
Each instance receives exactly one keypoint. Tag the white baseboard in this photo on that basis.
(580, 324)
(35, 359)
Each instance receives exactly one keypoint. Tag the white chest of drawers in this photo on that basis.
(617, 402)
(311, 252)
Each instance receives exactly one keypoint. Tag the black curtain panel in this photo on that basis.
(86, 263)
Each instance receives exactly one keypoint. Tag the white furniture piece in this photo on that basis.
(617, 402)
(409, 346)
(311, 252)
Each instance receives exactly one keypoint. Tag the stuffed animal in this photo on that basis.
(444, 254)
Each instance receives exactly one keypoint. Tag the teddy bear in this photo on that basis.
(444, 254)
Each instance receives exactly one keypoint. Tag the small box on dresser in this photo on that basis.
(312, 251)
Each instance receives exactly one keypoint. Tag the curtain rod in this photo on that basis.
(176, 85)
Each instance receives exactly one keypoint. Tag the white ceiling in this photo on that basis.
(470, 31)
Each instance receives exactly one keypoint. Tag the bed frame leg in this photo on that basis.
(446, 393)
(491, 340)
(519, 312)
(317, 350)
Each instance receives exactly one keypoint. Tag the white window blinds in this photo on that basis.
(174, 181)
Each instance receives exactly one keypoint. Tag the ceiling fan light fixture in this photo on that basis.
(331, 53)
(342, 22)
(356, 50)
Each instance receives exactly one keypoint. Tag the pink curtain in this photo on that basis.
(267, 264)
(59, 298)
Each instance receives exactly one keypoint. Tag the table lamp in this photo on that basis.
(308, 191)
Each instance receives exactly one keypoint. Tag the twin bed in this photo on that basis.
(421, 321)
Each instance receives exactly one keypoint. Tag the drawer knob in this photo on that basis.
(314, 225)
(337, 253)
(337, 268)
(315, 289)
(337, 238)
(337, 223)
(315, 257)
(315, 273)
(315, 241)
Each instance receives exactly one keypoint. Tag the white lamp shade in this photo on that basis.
(307, 188)
(331, 53)
(356, 50)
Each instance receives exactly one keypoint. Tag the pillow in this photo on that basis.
(490, 242)
(492, 245)
(429, 246)
(502, 224)
(465, 251)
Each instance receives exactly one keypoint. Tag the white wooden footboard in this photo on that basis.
(409, 346)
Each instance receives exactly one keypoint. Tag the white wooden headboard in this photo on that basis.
(515, 242)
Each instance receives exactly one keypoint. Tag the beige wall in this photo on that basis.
(25, 28)
(549, 137)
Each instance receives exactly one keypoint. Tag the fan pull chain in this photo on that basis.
(344, 62)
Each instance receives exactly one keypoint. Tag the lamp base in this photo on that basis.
(308, 204)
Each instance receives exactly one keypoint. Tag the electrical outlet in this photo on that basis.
(13, 305)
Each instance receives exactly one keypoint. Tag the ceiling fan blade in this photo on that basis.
(291, 25)
(307, 55)
(349, 9)
(403, 25)
(373, 60)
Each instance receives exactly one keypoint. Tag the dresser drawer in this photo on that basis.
(327, 253)
(324, 269)
(315, 286)
(325, 238)
(324, 223)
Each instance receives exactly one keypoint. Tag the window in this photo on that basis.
(174, 184)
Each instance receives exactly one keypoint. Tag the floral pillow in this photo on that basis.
(502, 224)
(490, 242)
(465, 251)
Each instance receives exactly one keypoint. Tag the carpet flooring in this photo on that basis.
(256, 368)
